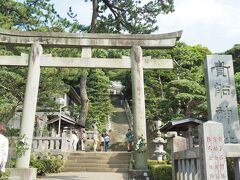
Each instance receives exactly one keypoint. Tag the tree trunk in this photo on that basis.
(83, 77)
(94, 16)
(84, 98)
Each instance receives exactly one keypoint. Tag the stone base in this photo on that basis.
(23, 173)
(138, 174)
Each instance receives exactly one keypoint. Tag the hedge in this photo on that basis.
(160, 170)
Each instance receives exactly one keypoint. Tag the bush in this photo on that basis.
(156, 162)
(52, 164)
(40, 165)
(12, 163)
(44, 164)
(160, 170)
(56, 165)
(12, 132)
(5, 175)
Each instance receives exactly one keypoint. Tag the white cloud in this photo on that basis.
(213, 23)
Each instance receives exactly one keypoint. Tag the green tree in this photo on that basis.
(99, 98)
(131, 16)
(125, 16)
(235, 52)
(179, 92)
(30, 15)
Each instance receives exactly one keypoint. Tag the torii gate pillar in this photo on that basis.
(139, 120)
(30, 103)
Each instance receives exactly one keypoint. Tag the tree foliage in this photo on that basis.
(99, 98)
(30, 15)
(179, 92)
(235, 52)
(131, 16)
(169, 94)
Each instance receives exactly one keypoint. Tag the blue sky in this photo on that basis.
(212, 23)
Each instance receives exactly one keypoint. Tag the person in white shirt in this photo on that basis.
(74, 140)
(95, 141)
(3, 148)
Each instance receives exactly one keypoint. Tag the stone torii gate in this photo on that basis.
(136, 63)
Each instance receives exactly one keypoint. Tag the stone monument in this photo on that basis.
(222, 101)
(212, 151)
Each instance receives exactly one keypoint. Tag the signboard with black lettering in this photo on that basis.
(221, 92)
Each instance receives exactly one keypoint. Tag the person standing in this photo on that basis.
(106, 141)
(95, 141)
(74, 140)
(102, 143)
(3, 148)
(129, 138)
(83, 139)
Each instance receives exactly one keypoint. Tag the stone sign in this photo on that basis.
(221, 92)
(213, 160)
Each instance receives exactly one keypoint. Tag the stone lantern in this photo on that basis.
(159, 142)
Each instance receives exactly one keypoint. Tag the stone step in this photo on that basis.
(100, 154)
(97, 162)
(93, 169)
(103, 161)
(97, 158)
(68, 165)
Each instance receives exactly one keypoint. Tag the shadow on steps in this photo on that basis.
(118, 146)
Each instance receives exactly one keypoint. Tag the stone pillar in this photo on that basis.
(140, 158)
(213, 163)
(221, 95)
(30, 102)
(178, 143)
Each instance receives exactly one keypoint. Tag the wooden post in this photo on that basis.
(189, 137)
(140, 158)
(30, 103)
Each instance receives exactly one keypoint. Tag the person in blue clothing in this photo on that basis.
(129, 139)
(106, 141)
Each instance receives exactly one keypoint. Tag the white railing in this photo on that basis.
(47, 143)
(56, 143)
(128, 113)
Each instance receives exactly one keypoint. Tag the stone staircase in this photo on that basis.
(97, 162)
(119, 125)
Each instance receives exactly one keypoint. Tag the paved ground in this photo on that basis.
(85, 176)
